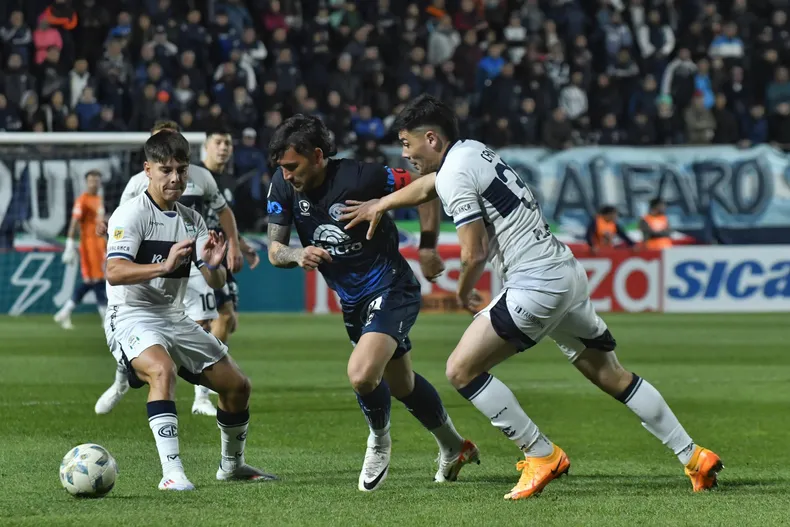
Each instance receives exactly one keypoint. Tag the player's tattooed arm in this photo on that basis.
(280, 255)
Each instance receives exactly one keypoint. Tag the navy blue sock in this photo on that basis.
(100, 290)
(425, 404)
(376, 407)
(80, 291)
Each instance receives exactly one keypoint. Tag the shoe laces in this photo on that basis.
(527, 470)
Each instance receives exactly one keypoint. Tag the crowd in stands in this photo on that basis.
(553, 73)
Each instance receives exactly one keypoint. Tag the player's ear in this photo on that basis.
(147, 169)
(319, 156)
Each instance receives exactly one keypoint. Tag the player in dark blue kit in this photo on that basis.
(379, 294)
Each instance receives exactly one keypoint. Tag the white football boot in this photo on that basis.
(449, 467)
(202, 404)
(176, 482)
(110, 398)
(377, 462)
(64, 319)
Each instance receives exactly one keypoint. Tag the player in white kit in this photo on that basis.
(546, 293)
(201, 194)
(153, 242)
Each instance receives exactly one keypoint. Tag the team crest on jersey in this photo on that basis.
(335, 211)
(117, 233)
(304, 206)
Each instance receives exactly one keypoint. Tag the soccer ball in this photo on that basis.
(88, 470)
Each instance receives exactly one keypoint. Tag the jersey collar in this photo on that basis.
(167, 212)
(447, 152)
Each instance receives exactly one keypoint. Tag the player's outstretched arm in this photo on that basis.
(121, 271)
(420, 191)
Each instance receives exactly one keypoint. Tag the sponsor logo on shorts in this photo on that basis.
(117, 233)
(133, 340)
(529, 316)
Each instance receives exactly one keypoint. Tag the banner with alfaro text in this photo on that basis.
(718, 194)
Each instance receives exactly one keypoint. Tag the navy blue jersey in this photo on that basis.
(360, 268)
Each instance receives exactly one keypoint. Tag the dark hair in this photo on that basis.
(217, 130)
(427, 110)
(165, 124)
(607, 209)
(303, 133)
(165, 146)
(655, 201)
(93, 172)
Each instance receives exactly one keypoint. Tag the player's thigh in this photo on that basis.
(369, 359)
(393, 313)
(479, 350)
(155, 366)
(195, 349)
(225, 376)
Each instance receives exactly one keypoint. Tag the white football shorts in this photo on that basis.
(552, 302)
(130, 331)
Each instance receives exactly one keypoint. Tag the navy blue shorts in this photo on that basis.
(392, 312)
(229, 293)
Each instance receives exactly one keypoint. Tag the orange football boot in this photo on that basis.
(703, 469)
(537, 472)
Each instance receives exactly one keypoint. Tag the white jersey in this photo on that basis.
(143, 233)
(201, 192)
(474, 183)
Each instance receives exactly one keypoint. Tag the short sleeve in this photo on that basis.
(208, 184)
(124, 233)
(136, 186)
(77, 209)
(200, 239)
(459, 196)
(279, 200)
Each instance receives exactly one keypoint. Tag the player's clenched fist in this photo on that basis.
(311, 257)
(178, 252)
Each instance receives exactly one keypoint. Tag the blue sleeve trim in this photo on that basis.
(120, 255)
(469, 219)
(199, 263)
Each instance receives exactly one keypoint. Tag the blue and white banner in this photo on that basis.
(720, 193)
(726, 279)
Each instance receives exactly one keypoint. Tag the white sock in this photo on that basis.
(448, 439)
(163, 421)
(497, 402)
(68, 307)
(201, 392)
(233, 435)
(121, 379)
(656, 416)
(102, 310)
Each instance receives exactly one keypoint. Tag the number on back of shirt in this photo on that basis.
(528, 200)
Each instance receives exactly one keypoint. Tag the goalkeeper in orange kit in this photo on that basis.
(87, 212)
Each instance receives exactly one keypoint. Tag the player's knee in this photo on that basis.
(459, 372)
(241, 388)
(363, 380)
(162, 374)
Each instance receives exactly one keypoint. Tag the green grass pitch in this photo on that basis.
(727, 378)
